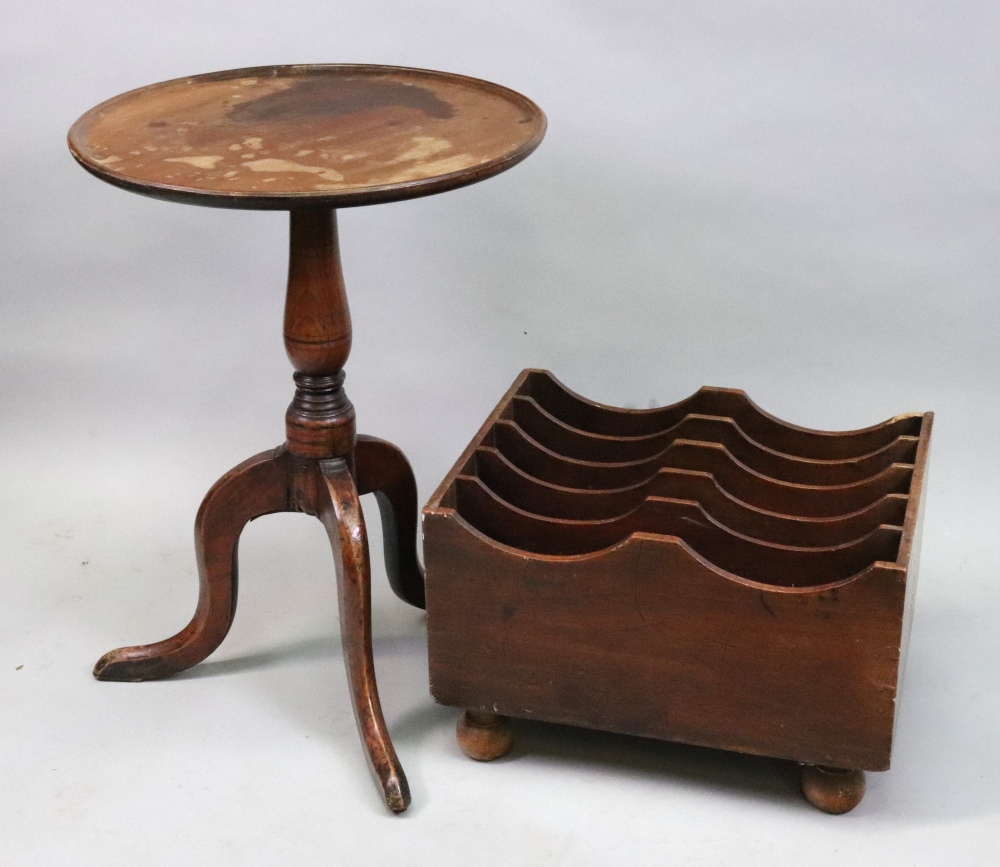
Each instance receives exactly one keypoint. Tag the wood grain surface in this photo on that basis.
(293, 136)
(707, 602)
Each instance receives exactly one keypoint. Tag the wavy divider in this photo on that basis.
(554, 474)
(752, 558)
(553, 501)
(573, 443)
(577, 411)
(815, 501)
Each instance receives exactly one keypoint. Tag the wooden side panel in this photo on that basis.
(644, 639)
(913, 528)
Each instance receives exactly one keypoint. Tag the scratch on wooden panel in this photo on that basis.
(764, 605)
(726, 647)
(636, 576)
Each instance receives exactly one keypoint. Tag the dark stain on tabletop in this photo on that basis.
(334, 97)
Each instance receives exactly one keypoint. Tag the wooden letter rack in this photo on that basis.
(702, 572)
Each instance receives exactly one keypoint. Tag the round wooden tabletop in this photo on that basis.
(282, 137)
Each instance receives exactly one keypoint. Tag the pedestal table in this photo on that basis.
(309, 140)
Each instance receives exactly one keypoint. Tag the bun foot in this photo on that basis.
(484, 736)
(832, 790)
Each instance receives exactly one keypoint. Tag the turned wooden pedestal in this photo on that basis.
(307, 139)
(321, 470)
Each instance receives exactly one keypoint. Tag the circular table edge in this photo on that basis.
(325, 198)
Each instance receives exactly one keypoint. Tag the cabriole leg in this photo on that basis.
(382, 469)
(258, 486)
(346, 526)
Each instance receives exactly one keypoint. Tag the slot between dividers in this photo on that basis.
(744, 557)
(733, 476)
(571, 442)
(552, 501)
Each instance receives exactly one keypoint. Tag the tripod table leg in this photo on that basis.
(346, 526)
(258, 486)
(382, 469)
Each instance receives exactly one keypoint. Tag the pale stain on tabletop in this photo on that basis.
(204, 162)
(273, 165)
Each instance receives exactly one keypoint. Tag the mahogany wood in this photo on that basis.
(547, 500)
(307, 139)
(383, 470)
(314, 136)
(317, 321)
(258, 486)
(817, 500)
(484, 736)
(832, 790)
(701, 600)
(311, 473)
(573, 443)
(320, 420)
(757, 559)
(760, 426)
(344, 521)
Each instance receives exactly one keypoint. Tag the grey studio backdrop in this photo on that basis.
(797, 199)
